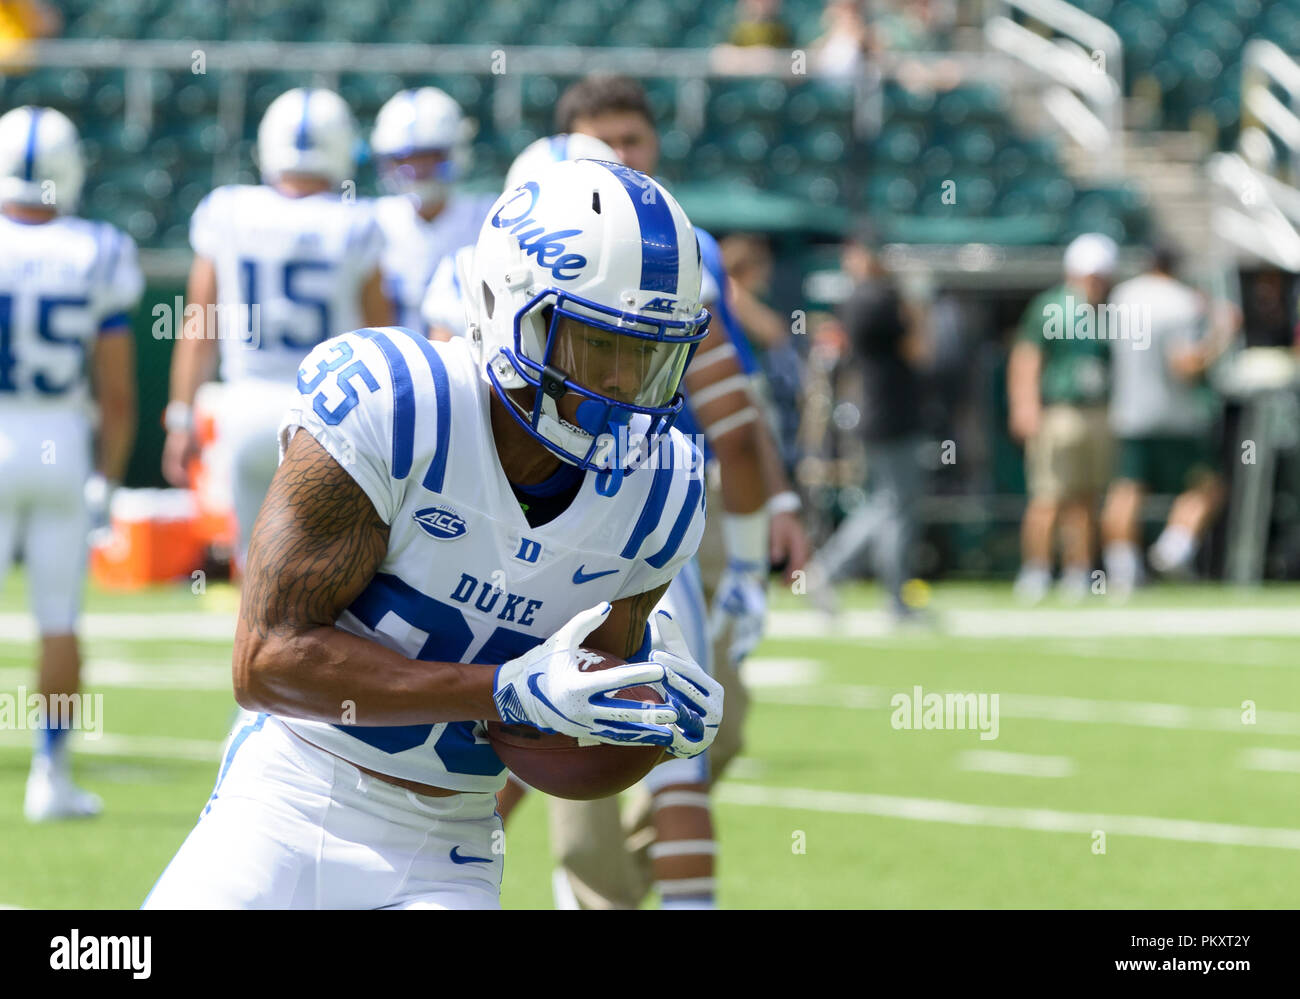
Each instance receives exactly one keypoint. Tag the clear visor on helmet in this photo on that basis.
(612, 356)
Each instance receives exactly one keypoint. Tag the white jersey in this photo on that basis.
(413, 248)
(289, 273)
(1147, 398)
(444, 300)
(62, 283)
(466, 579)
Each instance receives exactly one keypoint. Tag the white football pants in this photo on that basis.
(290, 826)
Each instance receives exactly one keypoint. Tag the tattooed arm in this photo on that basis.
(317, 542)
(624, 630)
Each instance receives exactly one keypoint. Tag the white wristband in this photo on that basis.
(178, 416)
(745, 538)
(786, 502)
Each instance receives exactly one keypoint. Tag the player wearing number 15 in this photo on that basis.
(66, 288)
(287, 265)
(449, 524)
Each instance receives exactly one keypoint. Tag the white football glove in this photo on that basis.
(547, 689)
(696, 695)
(741, 603)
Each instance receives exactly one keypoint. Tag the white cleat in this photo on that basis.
(52, 796)
(1032, 585)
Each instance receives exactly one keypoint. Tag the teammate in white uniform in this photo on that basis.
(421, 148)
(287, 265)
(443, 309)
(66, 288)
(435, 547)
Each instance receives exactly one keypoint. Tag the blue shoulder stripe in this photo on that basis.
(654, 506)
(694, 492)
(403, 402)
(433, 478)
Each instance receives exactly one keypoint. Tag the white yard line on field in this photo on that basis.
(1285, 761)
(991, 761)
(1089, 622)
(804, 799)
(188, 626)
(1066, 709)
(1041, 819)
(110, 744)
(116, 673)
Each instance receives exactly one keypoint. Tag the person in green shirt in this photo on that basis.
(1058, 381)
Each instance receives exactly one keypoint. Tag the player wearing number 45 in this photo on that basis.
(287, 264)
(448, 524)
(66, 288)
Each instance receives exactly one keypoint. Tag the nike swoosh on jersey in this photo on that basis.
(456, 858)
(586, 577)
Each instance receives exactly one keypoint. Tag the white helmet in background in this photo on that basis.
(603, 245)
(40, 159)
(415, 122)
(556, 149)
(307, 130)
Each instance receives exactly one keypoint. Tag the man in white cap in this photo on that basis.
(1057, 385)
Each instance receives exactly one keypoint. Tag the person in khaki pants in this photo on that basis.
(1058, 384)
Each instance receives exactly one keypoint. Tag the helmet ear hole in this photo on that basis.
(489, 300)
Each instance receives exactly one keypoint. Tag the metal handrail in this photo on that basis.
(1103, 89)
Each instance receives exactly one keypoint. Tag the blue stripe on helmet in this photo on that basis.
(659, 256)
(29, 155)
(303, 139)
(559, 147)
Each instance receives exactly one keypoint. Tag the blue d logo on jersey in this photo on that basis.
(547, 247)
(440, 522)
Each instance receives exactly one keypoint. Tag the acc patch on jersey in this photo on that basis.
(440, 522)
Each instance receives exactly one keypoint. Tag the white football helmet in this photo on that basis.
(610, 252)
(40, 159)
(555, 149)
(307, 130)
(419, 121)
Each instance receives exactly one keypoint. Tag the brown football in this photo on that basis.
(556, 764)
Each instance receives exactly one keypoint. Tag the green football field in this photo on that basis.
(1146, 755)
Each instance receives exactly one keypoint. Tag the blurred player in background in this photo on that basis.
(286, 264)
(891, 347)
(420, 144)
(671, 835)
(1163, 416)
(443, 308)
(1058, 381)
(67, 287)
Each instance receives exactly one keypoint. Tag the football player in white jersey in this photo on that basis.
(67, 287)
(456, 519)
(281, 267)
(421, 148)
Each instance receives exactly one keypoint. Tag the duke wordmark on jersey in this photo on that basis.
(466, 577)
